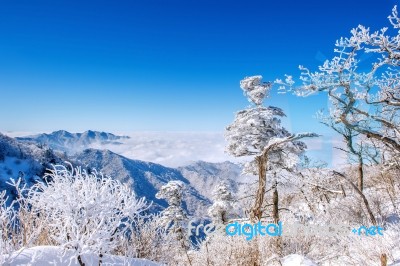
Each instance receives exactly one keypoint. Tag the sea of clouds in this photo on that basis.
(181, 148)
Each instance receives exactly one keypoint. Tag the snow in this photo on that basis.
(255, 89)
(396, 263)
(297, 260)
(51, 255)
(11, 166)
(172, 193)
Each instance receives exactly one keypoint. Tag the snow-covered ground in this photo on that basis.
(50, 255)
(12, 166)
(297, 260)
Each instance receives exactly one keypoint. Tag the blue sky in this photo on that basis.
(162, 65)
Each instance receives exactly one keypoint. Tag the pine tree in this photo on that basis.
(257, 131)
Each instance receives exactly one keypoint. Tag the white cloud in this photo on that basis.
(15, 134)
(172, 148)
(180, 148)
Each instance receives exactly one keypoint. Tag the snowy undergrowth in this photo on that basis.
(49, 255)
(83, 213)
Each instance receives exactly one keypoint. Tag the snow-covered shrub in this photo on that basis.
(223, 250)
(149, 240)
(368, 249)
(8, 238)
(85, 212)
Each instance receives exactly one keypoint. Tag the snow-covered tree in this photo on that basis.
(365, 96)
(257, 131)
(84, 212)
(221, 210)
(173, 218)
(174, 215)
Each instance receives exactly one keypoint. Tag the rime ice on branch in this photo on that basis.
(365, 96)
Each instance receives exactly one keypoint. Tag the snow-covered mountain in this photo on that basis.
(26, 160)
(30, 156)
(65, 141)
(145, 178)
(204, 176)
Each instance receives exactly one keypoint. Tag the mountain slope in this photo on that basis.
(144, 178)
(204, 176)
(24, 160)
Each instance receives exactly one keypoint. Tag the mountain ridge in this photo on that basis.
(145, 178)
(64, 141)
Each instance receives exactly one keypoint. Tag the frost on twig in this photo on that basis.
(85, 212)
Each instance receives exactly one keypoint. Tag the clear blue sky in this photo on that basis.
(161, 65)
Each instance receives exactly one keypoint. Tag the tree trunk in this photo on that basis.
(383, 257)
(275, 217)
(275, 202)
(360, 181)
(100, 259)
(343, 191)
(256, 212)
(361, 194)
(383, 260)
(80, 261)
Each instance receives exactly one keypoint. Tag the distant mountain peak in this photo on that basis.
(62, 140)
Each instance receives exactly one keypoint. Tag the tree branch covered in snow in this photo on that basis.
(365, 97)
(85, 212)
(255, 90)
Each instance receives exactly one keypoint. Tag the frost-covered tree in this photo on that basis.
(365, 96)
(354, 145)
(174, 215)
(173, 218)
(222, 209)
(84, 212)
(257, 131)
